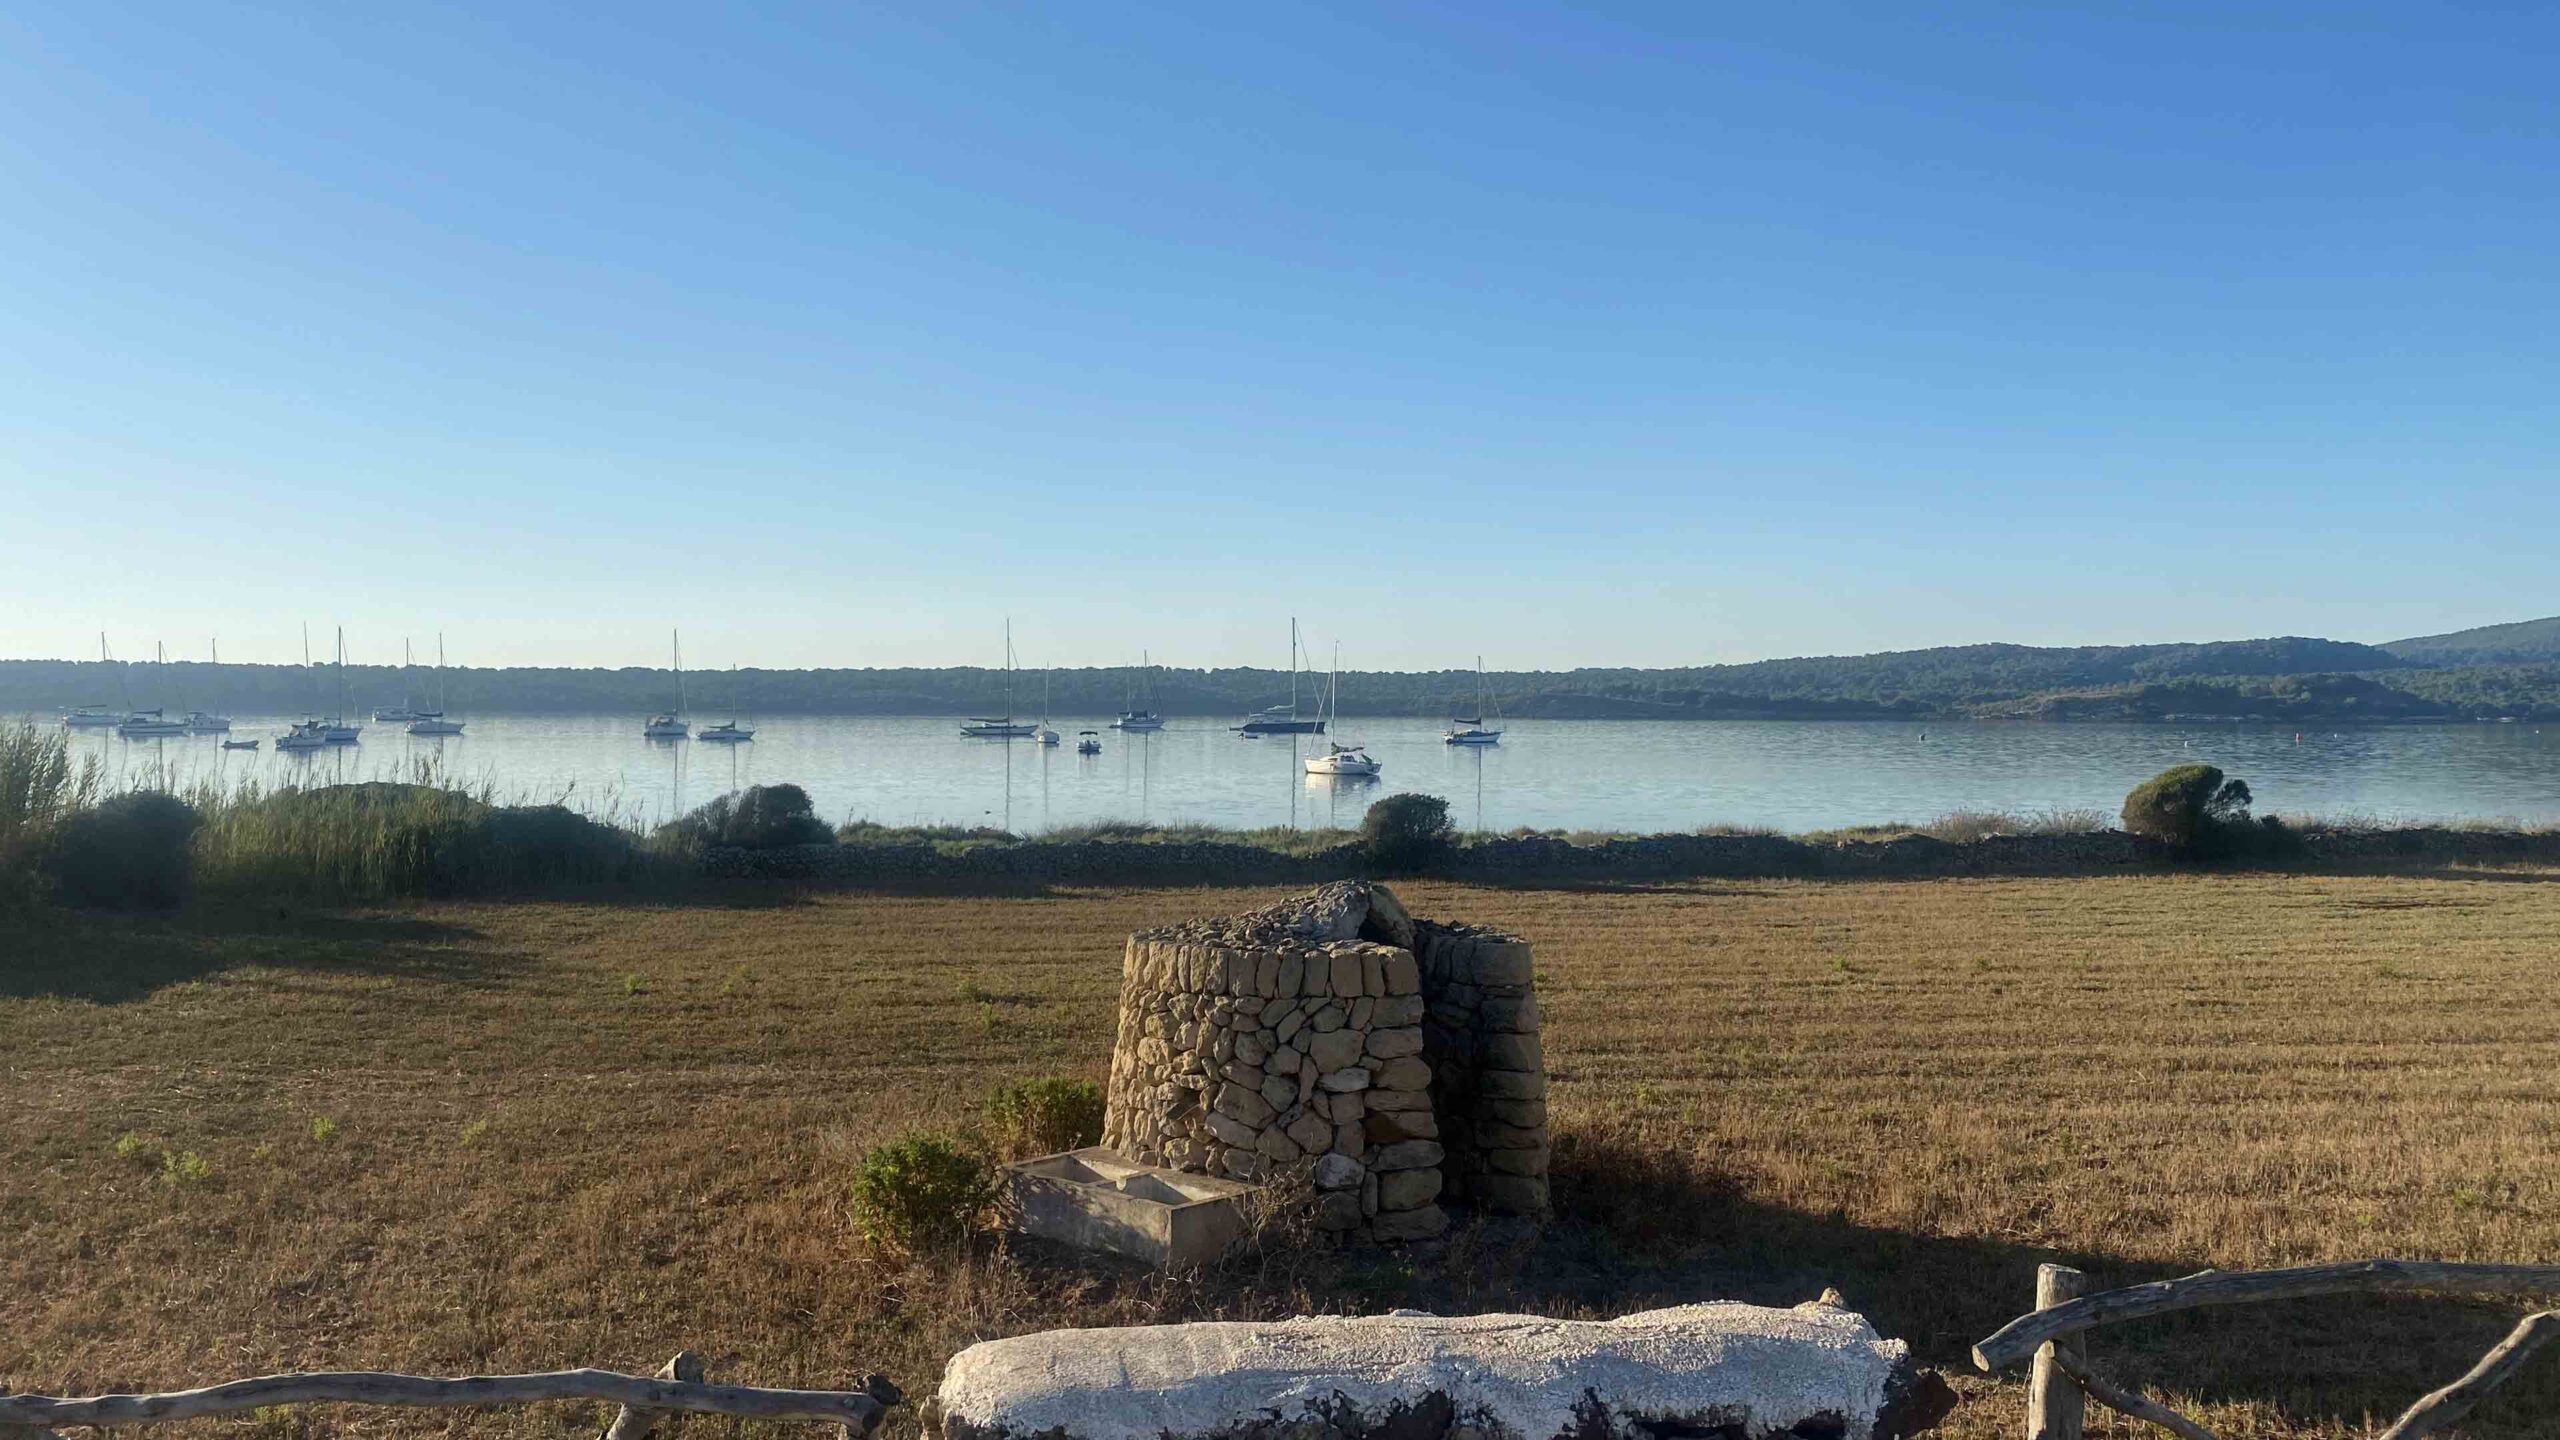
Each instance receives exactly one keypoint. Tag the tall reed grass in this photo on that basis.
(40, 788)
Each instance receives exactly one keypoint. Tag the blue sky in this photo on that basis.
(1621, 334)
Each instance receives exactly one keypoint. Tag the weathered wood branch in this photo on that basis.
(2435, 1411)
(631, 1424)
(857, 1411)
(2128, 1402)
(2019, 1338)
(2055, 1408)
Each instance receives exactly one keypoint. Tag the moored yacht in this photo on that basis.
(91, 717)
(1088, 743)
(434, 722)
(201, 723)
(434, 725)
(1471, 729)
(1344, 760)
(305, 735)
(1001, 727)
(1141, 717)
(672, 725)
(727, 732)
(149, 725)
(1284, 719)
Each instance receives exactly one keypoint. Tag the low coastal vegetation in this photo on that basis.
(469, 1137)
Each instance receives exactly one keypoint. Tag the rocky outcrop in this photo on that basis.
(1386, 1059)
(1722, 1369)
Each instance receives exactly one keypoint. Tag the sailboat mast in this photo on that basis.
(1293, 667)
(675, 658)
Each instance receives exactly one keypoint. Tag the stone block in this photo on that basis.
(1361, 1010)
(1511, 1084)
(1338, 1172)
(1266, 975)
(1386, 1127)
(1279, 1091)
(1311, 1131)
(1518, 1162)
(1284, 1061)
(1290, 975)
(1318, 979)
(1394, 1044)
(1517, 1112)
(1407, 1155)
(1399, 1010)
(1388, 917)
(1512, 1052)
(1243, 1104)
(1407, 1189)
(1327, 1020)
(1494, 1135)
(1516, 1014)
(1232, 1130)
(1335, 1049)
(1100, 1200)
(1350, 1077)
(1373, 973)
(1350, 1139)
(1407, 1072)
(1403, 976)
(1339, 1210)
(1277, 1147)
(1344, 974)
(1290, 1022)
(1502, 962)
(1405, 1100)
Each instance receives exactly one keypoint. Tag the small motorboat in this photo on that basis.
(1139, 722)
(1045, 735)
(1344, 760)
(200, 723)
(1088, 742)
(239, 744)
(91, 717)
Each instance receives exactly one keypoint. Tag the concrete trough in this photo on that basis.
(1098, 1199)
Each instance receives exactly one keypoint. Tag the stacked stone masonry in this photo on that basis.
(1392, 1062)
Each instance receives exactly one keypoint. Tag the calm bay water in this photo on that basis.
(1582, 774)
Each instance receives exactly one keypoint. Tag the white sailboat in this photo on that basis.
(98, 717)
(672, 725)
(1001, 727)
(205, 722)
(406, 710)
(1141, 717)
(1470, 729)
(727, 732)
(434, 722)
(306, 734)
(1350, 762)
(152, 724)
(1279, 720)
(336, 728)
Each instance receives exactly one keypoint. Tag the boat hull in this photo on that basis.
(1282, 727)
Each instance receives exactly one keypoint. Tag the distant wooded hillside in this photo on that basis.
(2287, 677)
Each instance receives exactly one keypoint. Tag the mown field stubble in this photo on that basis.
(479, 1137)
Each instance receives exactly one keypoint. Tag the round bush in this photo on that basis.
(920, 1191)
(1043, 1117)
(2185, 806)
(1406, 834)
(129, 852)
(760, 817)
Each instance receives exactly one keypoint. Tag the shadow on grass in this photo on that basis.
(1638, 1227)
(110, 958)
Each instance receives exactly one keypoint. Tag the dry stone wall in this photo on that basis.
(1309, 1038)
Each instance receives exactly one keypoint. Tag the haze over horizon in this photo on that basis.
(1642, 337)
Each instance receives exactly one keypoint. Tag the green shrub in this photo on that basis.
(1406, 834)
(760, 817)
(921, 1190)
(129, 852)
(39, 789)
(382, 840)
(2191, 808)
(1043, 1117)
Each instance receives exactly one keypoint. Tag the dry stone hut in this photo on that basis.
(1395, 1061)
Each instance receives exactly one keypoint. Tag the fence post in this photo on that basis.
(630, 1424)
(2056, 1405)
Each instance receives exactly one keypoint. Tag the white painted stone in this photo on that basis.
(1765, 1368)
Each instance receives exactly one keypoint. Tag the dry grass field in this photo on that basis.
(459, 1138)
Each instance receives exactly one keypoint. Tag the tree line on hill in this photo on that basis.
(2495, 672)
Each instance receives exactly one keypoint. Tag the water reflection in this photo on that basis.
(1552, 774)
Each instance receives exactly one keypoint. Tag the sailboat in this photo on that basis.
(204, 722)
(305, 734)
(1042, 732)
(406, 710)
(1141, 718)
(1001, 727)
(1349, 762)
(1284, 721)
(152, 724)
(671, 726)
(727, 732)
(334, 728)
(433, 722)
(97, 717)
(1470, 729)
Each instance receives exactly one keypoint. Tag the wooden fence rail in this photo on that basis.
(2064, 1380)
(679, 1386)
